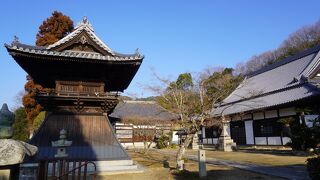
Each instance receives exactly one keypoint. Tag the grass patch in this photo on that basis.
(256, 158)
(160, 166)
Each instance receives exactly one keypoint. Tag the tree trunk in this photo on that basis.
(182, 149)
(145, 146)
(303, 120)
(287, 130)
(149, 146)
(134, 146)
(133, 141)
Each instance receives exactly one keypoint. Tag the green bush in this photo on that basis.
(173, 146)
(163, 141)
(38, 120)
(20, 125)
(286, 121)
(304, 137)
(313, 167)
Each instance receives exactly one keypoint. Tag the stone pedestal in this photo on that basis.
(5, 174)
(61, 145)
(180, 165)
(195, 142)
(225, 141)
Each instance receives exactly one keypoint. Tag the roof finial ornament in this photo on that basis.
(15, 40)
(137, 51)
(84, 23)
(85, 20)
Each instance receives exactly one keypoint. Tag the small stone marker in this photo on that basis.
(180, 165)
(61, 144)
(202, 163)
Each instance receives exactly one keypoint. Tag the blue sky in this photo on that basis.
(175, 36)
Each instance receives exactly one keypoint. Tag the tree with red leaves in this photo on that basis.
(54, 28)
(31, 106)
(51, 30)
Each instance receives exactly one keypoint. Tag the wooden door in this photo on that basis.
(238, 132)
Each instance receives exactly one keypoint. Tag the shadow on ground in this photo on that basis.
(220, 174)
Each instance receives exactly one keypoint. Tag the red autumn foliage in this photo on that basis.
(51, 30)
(54, 28)
(30, 104)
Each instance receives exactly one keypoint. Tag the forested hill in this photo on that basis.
(304, 38)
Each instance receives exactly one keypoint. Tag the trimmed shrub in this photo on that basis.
(38, 120)
(313, 167)
(173, 146)
(163, 141)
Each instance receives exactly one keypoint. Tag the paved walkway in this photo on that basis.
(289, 172)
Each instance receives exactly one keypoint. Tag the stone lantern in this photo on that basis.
(225, 141)
(61, 145)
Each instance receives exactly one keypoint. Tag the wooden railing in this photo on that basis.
(59, 169)
(78, 94)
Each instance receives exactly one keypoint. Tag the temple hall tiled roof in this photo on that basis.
(146, 110)
(287, 81)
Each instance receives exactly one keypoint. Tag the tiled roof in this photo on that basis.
(86, 27)
(273, 99)
(68, 53)
(142, 109)
(82, 26)
(283, 82)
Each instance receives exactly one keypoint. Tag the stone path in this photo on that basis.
(289, 172)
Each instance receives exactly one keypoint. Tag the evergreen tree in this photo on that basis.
(220, 84)
(20, 126)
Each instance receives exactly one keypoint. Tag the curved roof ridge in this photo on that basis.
(82, 26)
(68, 53)
(297, 84)
(312, 67)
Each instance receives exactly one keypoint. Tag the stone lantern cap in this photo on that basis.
(13, 152)
(62, 142)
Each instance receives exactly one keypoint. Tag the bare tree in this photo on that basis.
(193, 100)
(18, 99)
(143, 129)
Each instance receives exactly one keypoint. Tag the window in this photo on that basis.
(212, 132)
(267, 127)
(68, 88)
(266, 130)
(78, 86)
